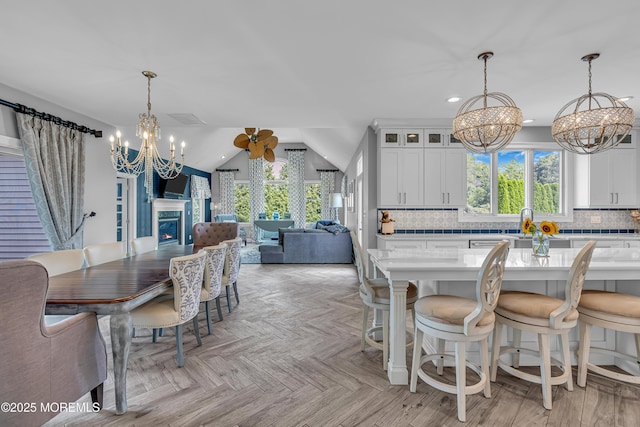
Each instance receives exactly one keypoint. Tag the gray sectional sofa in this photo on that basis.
(308, 246)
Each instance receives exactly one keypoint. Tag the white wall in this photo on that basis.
(100, 177)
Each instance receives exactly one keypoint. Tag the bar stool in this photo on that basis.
(375, 293)
(542, 315)
(610, 310)
(461, 320)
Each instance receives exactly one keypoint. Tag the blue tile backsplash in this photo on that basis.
(445, 221)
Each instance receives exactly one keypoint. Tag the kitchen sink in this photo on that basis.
(525, 242)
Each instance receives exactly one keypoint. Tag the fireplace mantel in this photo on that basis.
(163, 205)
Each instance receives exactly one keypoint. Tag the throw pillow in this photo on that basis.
(336, 228)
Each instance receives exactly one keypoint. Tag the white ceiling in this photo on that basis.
(315, 72)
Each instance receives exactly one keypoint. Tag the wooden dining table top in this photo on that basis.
(116, 281)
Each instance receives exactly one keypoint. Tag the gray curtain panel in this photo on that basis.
(54, 159)
(297, 195)
(227, 192)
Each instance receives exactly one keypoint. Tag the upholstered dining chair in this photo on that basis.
(610, 310)
(232, 269)
(213, 233)
(544, 316)
(143, 245)
(60, 262)
(375, 294)
(212, 283)
(104, 252)
(460, 320)
(44, 363)
(187, 273)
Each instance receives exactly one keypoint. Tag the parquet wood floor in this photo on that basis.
(289, 355)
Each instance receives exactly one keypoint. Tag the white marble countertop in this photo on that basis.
(478, 236)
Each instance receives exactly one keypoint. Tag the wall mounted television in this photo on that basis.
(174, 188)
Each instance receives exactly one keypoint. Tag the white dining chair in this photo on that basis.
(143, 245)
(104, 252)
(460, 320)
(212, 283)
(232, 269)
(544, 316)
(60, 262)
(187, 273)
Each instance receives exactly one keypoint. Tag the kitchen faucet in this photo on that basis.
(522, 212)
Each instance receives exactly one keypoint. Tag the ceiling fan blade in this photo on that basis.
(264, 134)
(256, 150)
(271, 142)
(249, 131)
(241, 141)
(269, 155)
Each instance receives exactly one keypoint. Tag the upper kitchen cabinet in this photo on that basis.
(401, 138)
(401, 177)
(608, 179)
(445, 178)
(439, 138)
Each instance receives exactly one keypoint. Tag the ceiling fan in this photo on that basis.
(260, 143)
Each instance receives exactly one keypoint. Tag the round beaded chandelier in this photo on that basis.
(493, 125)
(592, 123)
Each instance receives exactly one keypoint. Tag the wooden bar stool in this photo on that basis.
(610, 310)
(545, 316)
(460, 320)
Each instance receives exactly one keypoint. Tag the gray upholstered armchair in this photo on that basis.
(41, 363)
(213, 233)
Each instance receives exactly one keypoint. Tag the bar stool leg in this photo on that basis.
(461, 379)
(440, 343)
(583, 353)
(566, 359)
(545, 369)
(495, 349)
(365, 323)
(417, 354)
(385, 339)
(515, 357)
(484, 348)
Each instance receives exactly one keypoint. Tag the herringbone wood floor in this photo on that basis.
(289, 355)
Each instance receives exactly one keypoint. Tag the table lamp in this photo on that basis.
(336, 203)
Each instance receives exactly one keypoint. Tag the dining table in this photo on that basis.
(441, 266)
(114, 289)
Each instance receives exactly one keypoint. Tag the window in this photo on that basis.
(21, 233)
(501, 184)
(276, 194)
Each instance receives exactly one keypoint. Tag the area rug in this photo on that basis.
(250, 255)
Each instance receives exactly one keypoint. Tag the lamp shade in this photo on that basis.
(336, 200)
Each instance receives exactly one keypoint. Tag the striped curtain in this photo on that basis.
(297, 195)
(227, 193)
(256, 187)
(327, 182)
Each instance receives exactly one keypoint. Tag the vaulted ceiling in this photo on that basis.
(315, 72)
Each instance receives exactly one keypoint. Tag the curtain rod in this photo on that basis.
(327, 170)
(227, 170)
(19, 108)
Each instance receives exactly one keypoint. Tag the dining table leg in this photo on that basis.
(397, 366)
(121, 330)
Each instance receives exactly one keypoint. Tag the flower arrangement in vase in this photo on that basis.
(540, 235)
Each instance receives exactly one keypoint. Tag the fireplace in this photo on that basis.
(168, 227)
(168, 217)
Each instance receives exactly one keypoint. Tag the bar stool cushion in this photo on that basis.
(450, 310)
(530, 307)
(382, 293)
(622, 308)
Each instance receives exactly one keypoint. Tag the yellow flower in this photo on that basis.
(526, 225)
(546, 227)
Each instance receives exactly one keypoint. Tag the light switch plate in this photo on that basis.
(596, 219)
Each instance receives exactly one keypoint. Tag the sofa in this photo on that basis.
(308, 246)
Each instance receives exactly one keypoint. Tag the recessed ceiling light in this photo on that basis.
(528, 121)
(453, 99)
(624, 98)
(223, 157)
(325, 157)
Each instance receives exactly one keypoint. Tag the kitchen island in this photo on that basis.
(454, 271)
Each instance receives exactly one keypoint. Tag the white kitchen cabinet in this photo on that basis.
(600, 243)
(399, 243)
(448, 244)
(401, 138)
(439, 138)
(607, 179)
(445, 177)
(401, 177)
(631, 244)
